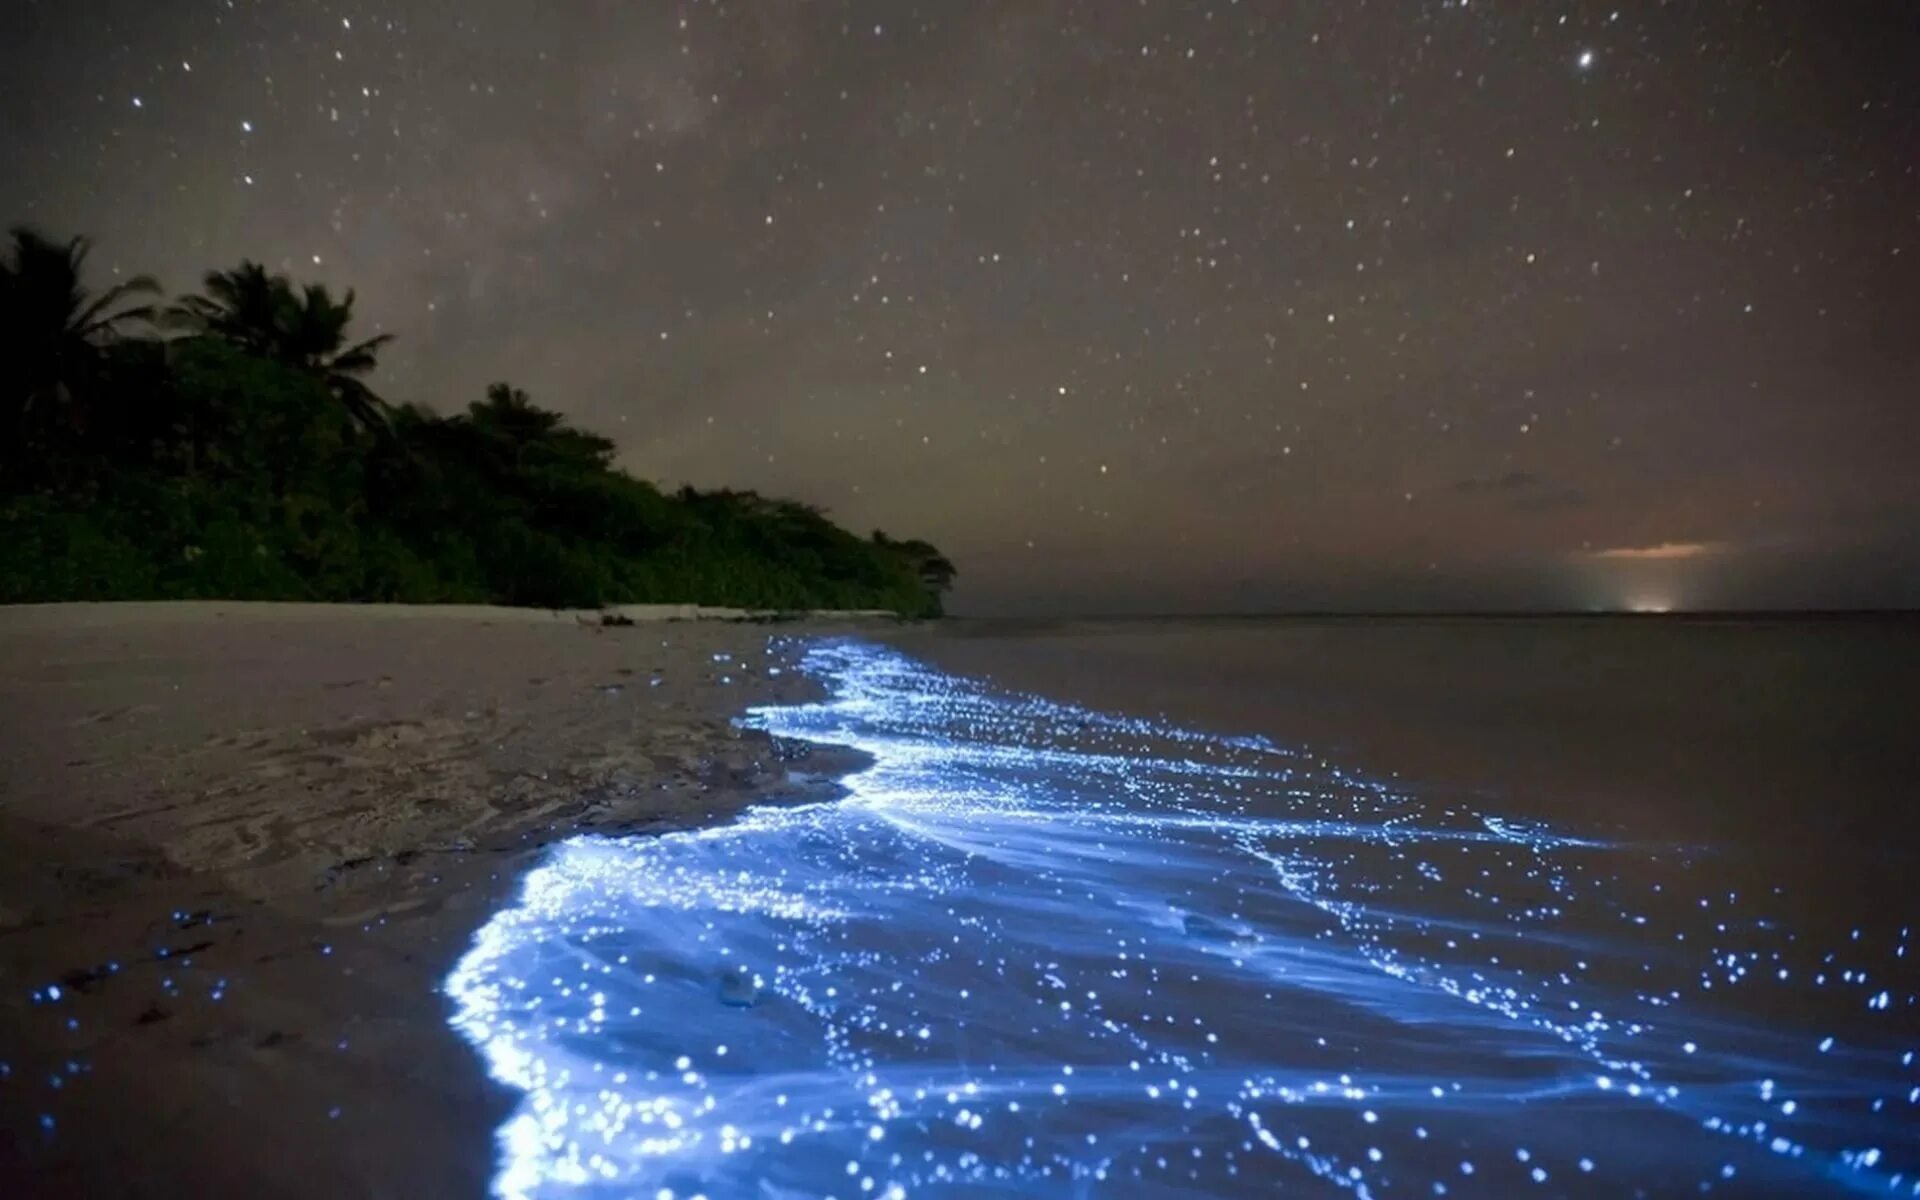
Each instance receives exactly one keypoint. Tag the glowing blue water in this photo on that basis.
(1045, 951)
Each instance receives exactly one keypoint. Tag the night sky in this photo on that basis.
(1128, 306)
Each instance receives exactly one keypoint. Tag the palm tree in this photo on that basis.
(242, 306)
(262, 314)
(52, 330)
(315, 339)
(529, 434)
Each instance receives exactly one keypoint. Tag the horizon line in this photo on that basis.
(1455, 613)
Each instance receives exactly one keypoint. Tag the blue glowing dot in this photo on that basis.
(1136, 908)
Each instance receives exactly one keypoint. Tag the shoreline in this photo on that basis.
(99, 614)
(244, 844)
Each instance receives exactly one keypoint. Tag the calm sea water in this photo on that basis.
(1043, 949)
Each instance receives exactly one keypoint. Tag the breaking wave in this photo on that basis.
(1042, 950)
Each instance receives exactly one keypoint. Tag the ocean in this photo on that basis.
(1222, 908)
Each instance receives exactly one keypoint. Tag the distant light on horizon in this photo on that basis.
(1664, 550)
(938, 320)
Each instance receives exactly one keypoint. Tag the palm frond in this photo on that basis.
(95, 318)
(107, 326)
(366, 409)
(371, 344)
(360, 358)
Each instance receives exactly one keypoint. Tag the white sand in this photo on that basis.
(334, 796)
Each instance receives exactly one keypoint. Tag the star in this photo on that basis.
(1130, 235)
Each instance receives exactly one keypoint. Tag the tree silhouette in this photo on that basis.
(528, 435)
(242, 306)
(52, 330)
(935, 571)
(316, 340)
(307, 329)
(234, 463)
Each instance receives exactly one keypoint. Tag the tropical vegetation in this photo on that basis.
(231, 445)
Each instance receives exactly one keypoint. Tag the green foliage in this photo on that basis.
(53, 340)
(304, 328)
(247, 459)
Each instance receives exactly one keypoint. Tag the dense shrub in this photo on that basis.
(247, 459)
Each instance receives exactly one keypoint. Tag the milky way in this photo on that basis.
(1124, 305)
(1044, 951)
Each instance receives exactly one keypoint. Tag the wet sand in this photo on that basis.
(240, 845)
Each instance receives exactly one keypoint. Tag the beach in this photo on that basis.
(304, 900)
(243, 844)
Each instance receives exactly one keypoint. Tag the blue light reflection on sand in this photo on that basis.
(1041, 950)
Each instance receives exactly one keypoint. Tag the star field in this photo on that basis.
(1139, 306)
